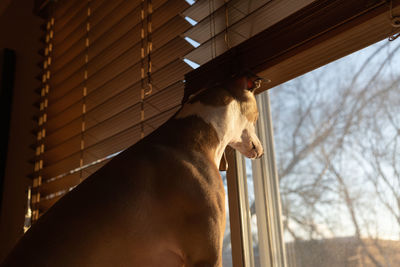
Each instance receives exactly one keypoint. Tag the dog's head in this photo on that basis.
(245, 140)
(231, 108)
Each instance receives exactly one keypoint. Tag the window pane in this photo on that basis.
(337, 143)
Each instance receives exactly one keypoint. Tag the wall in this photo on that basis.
(20, 31)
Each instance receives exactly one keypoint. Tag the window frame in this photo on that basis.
(267, 194)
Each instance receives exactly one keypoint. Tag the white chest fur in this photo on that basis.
(226, 120)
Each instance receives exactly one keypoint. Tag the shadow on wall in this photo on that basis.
(19, 31)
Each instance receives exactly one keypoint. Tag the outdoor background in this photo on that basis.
(337, 144)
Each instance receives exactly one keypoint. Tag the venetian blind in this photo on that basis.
(95, 97)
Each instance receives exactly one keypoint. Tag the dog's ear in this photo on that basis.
(254, 83)
(242, 83)
(248, 80)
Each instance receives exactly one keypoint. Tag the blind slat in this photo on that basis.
(126, 138)
(168, 52)
(260, 19)
(116, 121)
(68, 181)
(210, 26)
(165, 76)
(173, 72)
(107, 146)
(106, 108)
(162, 36)
(66, 33)
(100, 55)
(68, 14)
(46, 204)
(63, 8)
(110, 29)
(97, 16)
(202, 9)
(122, 81)
(75, 31)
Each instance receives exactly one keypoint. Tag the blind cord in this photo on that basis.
(226, 36)
(142, 66)
(149, 46)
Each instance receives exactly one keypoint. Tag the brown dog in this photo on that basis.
(159, 203)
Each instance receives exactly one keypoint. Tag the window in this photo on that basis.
(336, 132)
(337, 146)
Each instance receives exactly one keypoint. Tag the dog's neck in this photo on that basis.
(222, 118)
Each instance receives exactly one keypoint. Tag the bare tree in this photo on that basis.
(337, 144)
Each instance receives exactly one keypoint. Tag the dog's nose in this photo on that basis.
(262, 154)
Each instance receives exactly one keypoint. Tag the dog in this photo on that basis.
(161, 202)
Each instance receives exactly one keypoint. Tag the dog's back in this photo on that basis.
(130, 208)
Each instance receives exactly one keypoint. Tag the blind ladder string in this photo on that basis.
(84, 91)
(146, 48)
(149, 46)
(142, 67)
(226, 36)
(35, 197)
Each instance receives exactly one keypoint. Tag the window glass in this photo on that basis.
(253, 214)
(337, 144)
